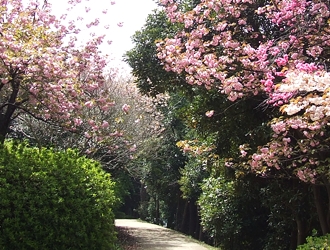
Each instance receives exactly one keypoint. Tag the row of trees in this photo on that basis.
(248, 107)
(233, 146)
(58, 93)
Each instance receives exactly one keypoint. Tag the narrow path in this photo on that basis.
(153, 237)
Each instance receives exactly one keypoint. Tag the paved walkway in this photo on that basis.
(153, 237)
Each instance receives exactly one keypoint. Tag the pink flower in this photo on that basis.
(87, 135)
(4, 80)
(209, 113)
(91, 122)
(133, 148)
(126, 108)
(89, 104)
(78, 121)
(186, 148)
(105, 124)
(281, 61)
(105, 107)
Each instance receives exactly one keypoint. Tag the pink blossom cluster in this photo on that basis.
(289, 69)
(44, 72)
(306, 120)
(315, 101)
(210, 55)
(294, 148)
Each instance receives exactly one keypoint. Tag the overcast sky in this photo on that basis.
(132, 13)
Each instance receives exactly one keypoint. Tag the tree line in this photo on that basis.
(248, 87)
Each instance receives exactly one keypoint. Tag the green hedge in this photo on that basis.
(54, 200)
(316, 243)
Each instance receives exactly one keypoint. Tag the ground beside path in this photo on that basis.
(152, 237)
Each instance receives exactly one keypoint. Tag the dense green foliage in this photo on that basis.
(159, 192)
(174, 187)
(230, 209)
(151, 78)
(225, 205)
(316, 243)
(54, 200)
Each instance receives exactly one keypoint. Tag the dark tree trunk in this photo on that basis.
(320, 209)
(178, 212)
(301, 231)
(184, 218)
(143, 193)
(327, 186)
(294, 238)
(157, 210)
(197, 227)
(200, 235)
(192, 218)
(2, 134)
(5, 120)
(7, 110)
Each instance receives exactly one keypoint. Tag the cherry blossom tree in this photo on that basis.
(46, 74)
(135, 120)
(274, 49)
(300, 136)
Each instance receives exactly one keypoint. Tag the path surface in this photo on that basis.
(153, 237)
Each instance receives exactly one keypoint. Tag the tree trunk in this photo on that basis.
(320, 210)
(176, 223)
(157, 210)
(197, 227)
(5, 120)
(301, 231)
(192, 218)
(327, 186)
(293, 239)
(184, 217)
(143, 193)
(200, 235)
(7, 111)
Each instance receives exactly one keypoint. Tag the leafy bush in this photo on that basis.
(219, 216)
(54, 200)
(231, 212)
(316, 243)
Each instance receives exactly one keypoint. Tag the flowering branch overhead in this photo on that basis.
(47, 74)
(275, 49)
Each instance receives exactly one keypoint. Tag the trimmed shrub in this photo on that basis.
(54, 200)
(316, 243)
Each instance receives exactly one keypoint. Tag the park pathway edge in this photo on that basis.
(154, 237)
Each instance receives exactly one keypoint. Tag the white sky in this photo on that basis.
(132, 13)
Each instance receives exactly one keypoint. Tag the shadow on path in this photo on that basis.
(153, 237)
